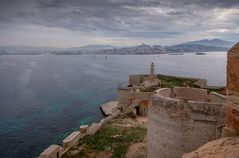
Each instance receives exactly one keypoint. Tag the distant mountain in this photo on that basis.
(204, 45)
(26, 50)
(194, 46)
(141, 49)
(184, 48)
(213, 42)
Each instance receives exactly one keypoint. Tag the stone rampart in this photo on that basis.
(232, 109)
(71, 140)
(127, 98)
(137, 79)
(53, 151)
(182, 119)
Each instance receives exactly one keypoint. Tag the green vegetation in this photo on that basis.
(114, 137)
(171, 81)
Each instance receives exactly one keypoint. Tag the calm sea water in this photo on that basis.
(44, 98)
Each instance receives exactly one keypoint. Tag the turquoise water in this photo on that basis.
(44, 98)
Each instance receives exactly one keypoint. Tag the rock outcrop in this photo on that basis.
(221, 148)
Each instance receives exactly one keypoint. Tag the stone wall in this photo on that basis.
(190, 94)
(183, 122)
(53, 151)
(128, 97)
(233, 69)
(232, 109)
(137, 79)
(71, 140)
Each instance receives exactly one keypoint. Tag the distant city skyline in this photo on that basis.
(75, 23)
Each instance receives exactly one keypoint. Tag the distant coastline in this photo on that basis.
(215, 45)
(200, 53)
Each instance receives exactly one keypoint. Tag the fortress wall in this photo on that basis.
(126, 98)
(53, 151)
(232, 69)
(164, 134)
(177, 126)
(232, 109)
(137, 79)
(205, 122)
(215, 97)
(190, 93)
(71, 140)
(164, 92)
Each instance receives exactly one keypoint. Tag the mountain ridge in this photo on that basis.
(203, 45)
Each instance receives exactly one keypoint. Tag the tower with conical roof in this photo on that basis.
(232, 108)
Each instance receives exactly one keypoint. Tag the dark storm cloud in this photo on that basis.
(140, 3)
(121, 18)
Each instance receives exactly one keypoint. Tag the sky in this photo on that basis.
(74, 23)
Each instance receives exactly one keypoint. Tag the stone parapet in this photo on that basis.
(182, 119)
(53, 151)
(71, 140)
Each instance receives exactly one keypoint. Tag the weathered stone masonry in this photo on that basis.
(232, 110)
(127, 98)
(182, 119)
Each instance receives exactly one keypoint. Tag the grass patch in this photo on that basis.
(116, 138)
(171, 81)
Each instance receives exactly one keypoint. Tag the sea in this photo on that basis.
(43, 98)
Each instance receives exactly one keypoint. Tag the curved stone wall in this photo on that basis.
(182, 119)
(232, 122)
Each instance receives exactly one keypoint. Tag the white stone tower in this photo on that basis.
(152, 68)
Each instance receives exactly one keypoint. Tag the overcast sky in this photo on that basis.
(73, 23)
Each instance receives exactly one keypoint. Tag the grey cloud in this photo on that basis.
(140, 3)
(180, 13)
(118, 18)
